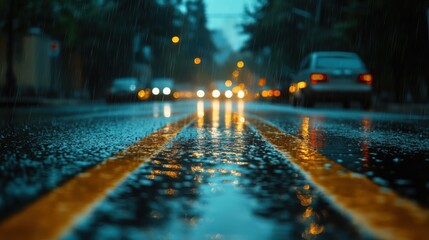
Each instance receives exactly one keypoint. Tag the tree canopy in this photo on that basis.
(103, 34)
(391, 36)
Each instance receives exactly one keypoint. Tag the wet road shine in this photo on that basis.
(219, 174)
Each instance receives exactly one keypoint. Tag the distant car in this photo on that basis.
(123, 89)
(331, 76)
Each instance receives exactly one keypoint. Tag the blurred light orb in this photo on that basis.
(155, 91)
(228, 83)
(216, 93)
(197, 60)
(201, 93)
(141, 93)
(228, 94)
(175, 39)
(166, 91)
(240, 94)
(240, 64)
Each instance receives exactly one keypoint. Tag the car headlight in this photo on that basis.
(166, 91)
(155, 91)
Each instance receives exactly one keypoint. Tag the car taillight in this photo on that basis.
(318, 78)
(365, 78)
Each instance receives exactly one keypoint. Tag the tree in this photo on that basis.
(392, 36)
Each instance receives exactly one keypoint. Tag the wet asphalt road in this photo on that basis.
(217, 178)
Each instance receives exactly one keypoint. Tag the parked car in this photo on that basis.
(123, 89)
(331, 76)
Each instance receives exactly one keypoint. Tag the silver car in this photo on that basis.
(331, 76)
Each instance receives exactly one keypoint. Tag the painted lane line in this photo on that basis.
(53, 214)
(374, 209)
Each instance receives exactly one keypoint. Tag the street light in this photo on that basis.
(197, 60)
(175, 39)
(240, 64)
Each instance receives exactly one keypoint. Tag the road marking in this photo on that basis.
(378, 211)
(54, 213)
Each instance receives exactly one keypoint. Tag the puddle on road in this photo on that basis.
(216, 180)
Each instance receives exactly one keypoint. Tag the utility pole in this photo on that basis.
(10, 88)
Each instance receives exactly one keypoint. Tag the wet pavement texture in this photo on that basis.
(216, 180)
(390, 149)
(44, 147)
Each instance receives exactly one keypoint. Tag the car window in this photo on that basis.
(338, 62)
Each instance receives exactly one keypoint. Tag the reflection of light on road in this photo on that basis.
(311, 134)
(316, 229)
(308, 212)
(228, 114)
(155, 110)
(304, 198)
(240, 117)
(365, 141)
(215, 113)
(304, 127)
(309, 216)
(170, 192)
(200, 113)
(167, 110)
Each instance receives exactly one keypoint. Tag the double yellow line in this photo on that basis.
(381, 213)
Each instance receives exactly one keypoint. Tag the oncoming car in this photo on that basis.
(331, 76)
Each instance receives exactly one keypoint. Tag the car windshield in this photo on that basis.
(338, 62)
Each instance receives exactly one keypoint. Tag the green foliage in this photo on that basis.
(102, 34)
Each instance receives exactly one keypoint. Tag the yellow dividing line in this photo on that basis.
(376, 210)
(54, 213)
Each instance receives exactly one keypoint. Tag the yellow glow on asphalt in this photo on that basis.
(383, 213)
(57, 211)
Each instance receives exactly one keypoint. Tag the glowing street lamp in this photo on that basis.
(197, 60)
(228, 83)
(240, 64)
(175, 39)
